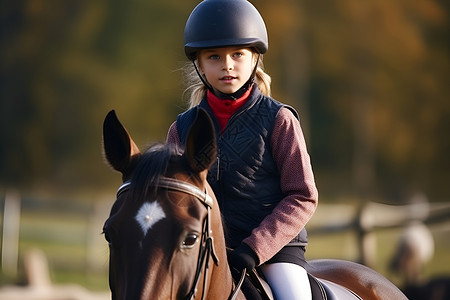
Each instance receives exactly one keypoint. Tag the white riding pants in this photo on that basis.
(287, 281)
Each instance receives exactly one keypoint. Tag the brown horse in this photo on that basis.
(165, 232)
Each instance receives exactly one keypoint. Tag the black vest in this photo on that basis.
(245, 178)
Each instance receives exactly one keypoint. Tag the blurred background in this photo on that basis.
(370, 80)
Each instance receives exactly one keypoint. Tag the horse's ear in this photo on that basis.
(118, 146)
(201, 146)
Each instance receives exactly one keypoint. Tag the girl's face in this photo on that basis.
(228, 68)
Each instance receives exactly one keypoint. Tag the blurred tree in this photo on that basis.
(377, 86)
(64, 66)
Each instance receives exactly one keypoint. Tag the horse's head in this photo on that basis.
(159, 225)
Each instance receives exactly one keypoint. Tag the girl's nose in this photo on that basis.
(228, 63)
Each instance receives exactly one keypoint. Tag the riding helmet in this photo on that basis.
(222, 23)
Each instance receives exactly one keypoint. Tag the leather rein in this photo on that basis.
(207, 250)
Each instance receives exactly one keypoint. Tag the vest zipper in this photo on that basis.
(218, 165)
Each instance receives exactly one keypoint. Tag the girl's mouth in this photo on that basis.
(227, 78)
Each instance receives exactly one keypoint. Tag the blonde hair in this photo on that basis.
(196, 90)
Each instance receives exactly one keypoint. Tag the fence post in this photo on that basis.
(366, 237)
(11, 229)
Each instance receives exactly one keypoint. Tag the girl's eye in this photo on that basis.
(190, 241)
(214, 57)
(238, 54)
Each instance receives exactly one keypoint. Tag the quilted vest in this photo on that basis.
(245, 177)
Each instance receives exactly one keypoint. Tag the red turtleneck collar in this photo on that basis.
(223, 109)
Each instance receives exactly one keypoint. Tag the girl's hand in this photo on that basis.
(243, 257)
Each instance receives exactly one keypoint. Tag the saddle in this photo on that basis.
(256, 288)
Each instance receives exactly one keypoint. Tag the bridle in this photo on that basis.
(207, 250)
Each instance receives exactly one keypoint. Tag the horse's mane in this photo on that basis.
(152, 164)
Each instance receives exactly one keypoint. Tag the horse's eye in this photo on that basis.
(190, 241)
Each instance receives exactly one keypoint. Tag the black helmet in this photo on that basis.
(222, 23)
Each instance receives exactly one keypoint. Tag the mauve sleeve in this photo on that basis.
(297, 184)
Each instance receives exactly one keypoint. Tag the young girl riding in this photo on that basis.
(262, 177)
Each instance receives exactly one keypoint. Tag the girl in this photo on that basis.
(262, 177)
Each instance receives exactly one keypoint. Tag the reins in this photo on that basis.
(207, 250)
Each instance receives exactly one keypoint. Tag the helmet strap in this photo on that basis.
(233, 96)
(202, 78)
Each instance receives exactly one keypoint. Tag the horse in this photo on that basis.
(415, 248)
(165, 233)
